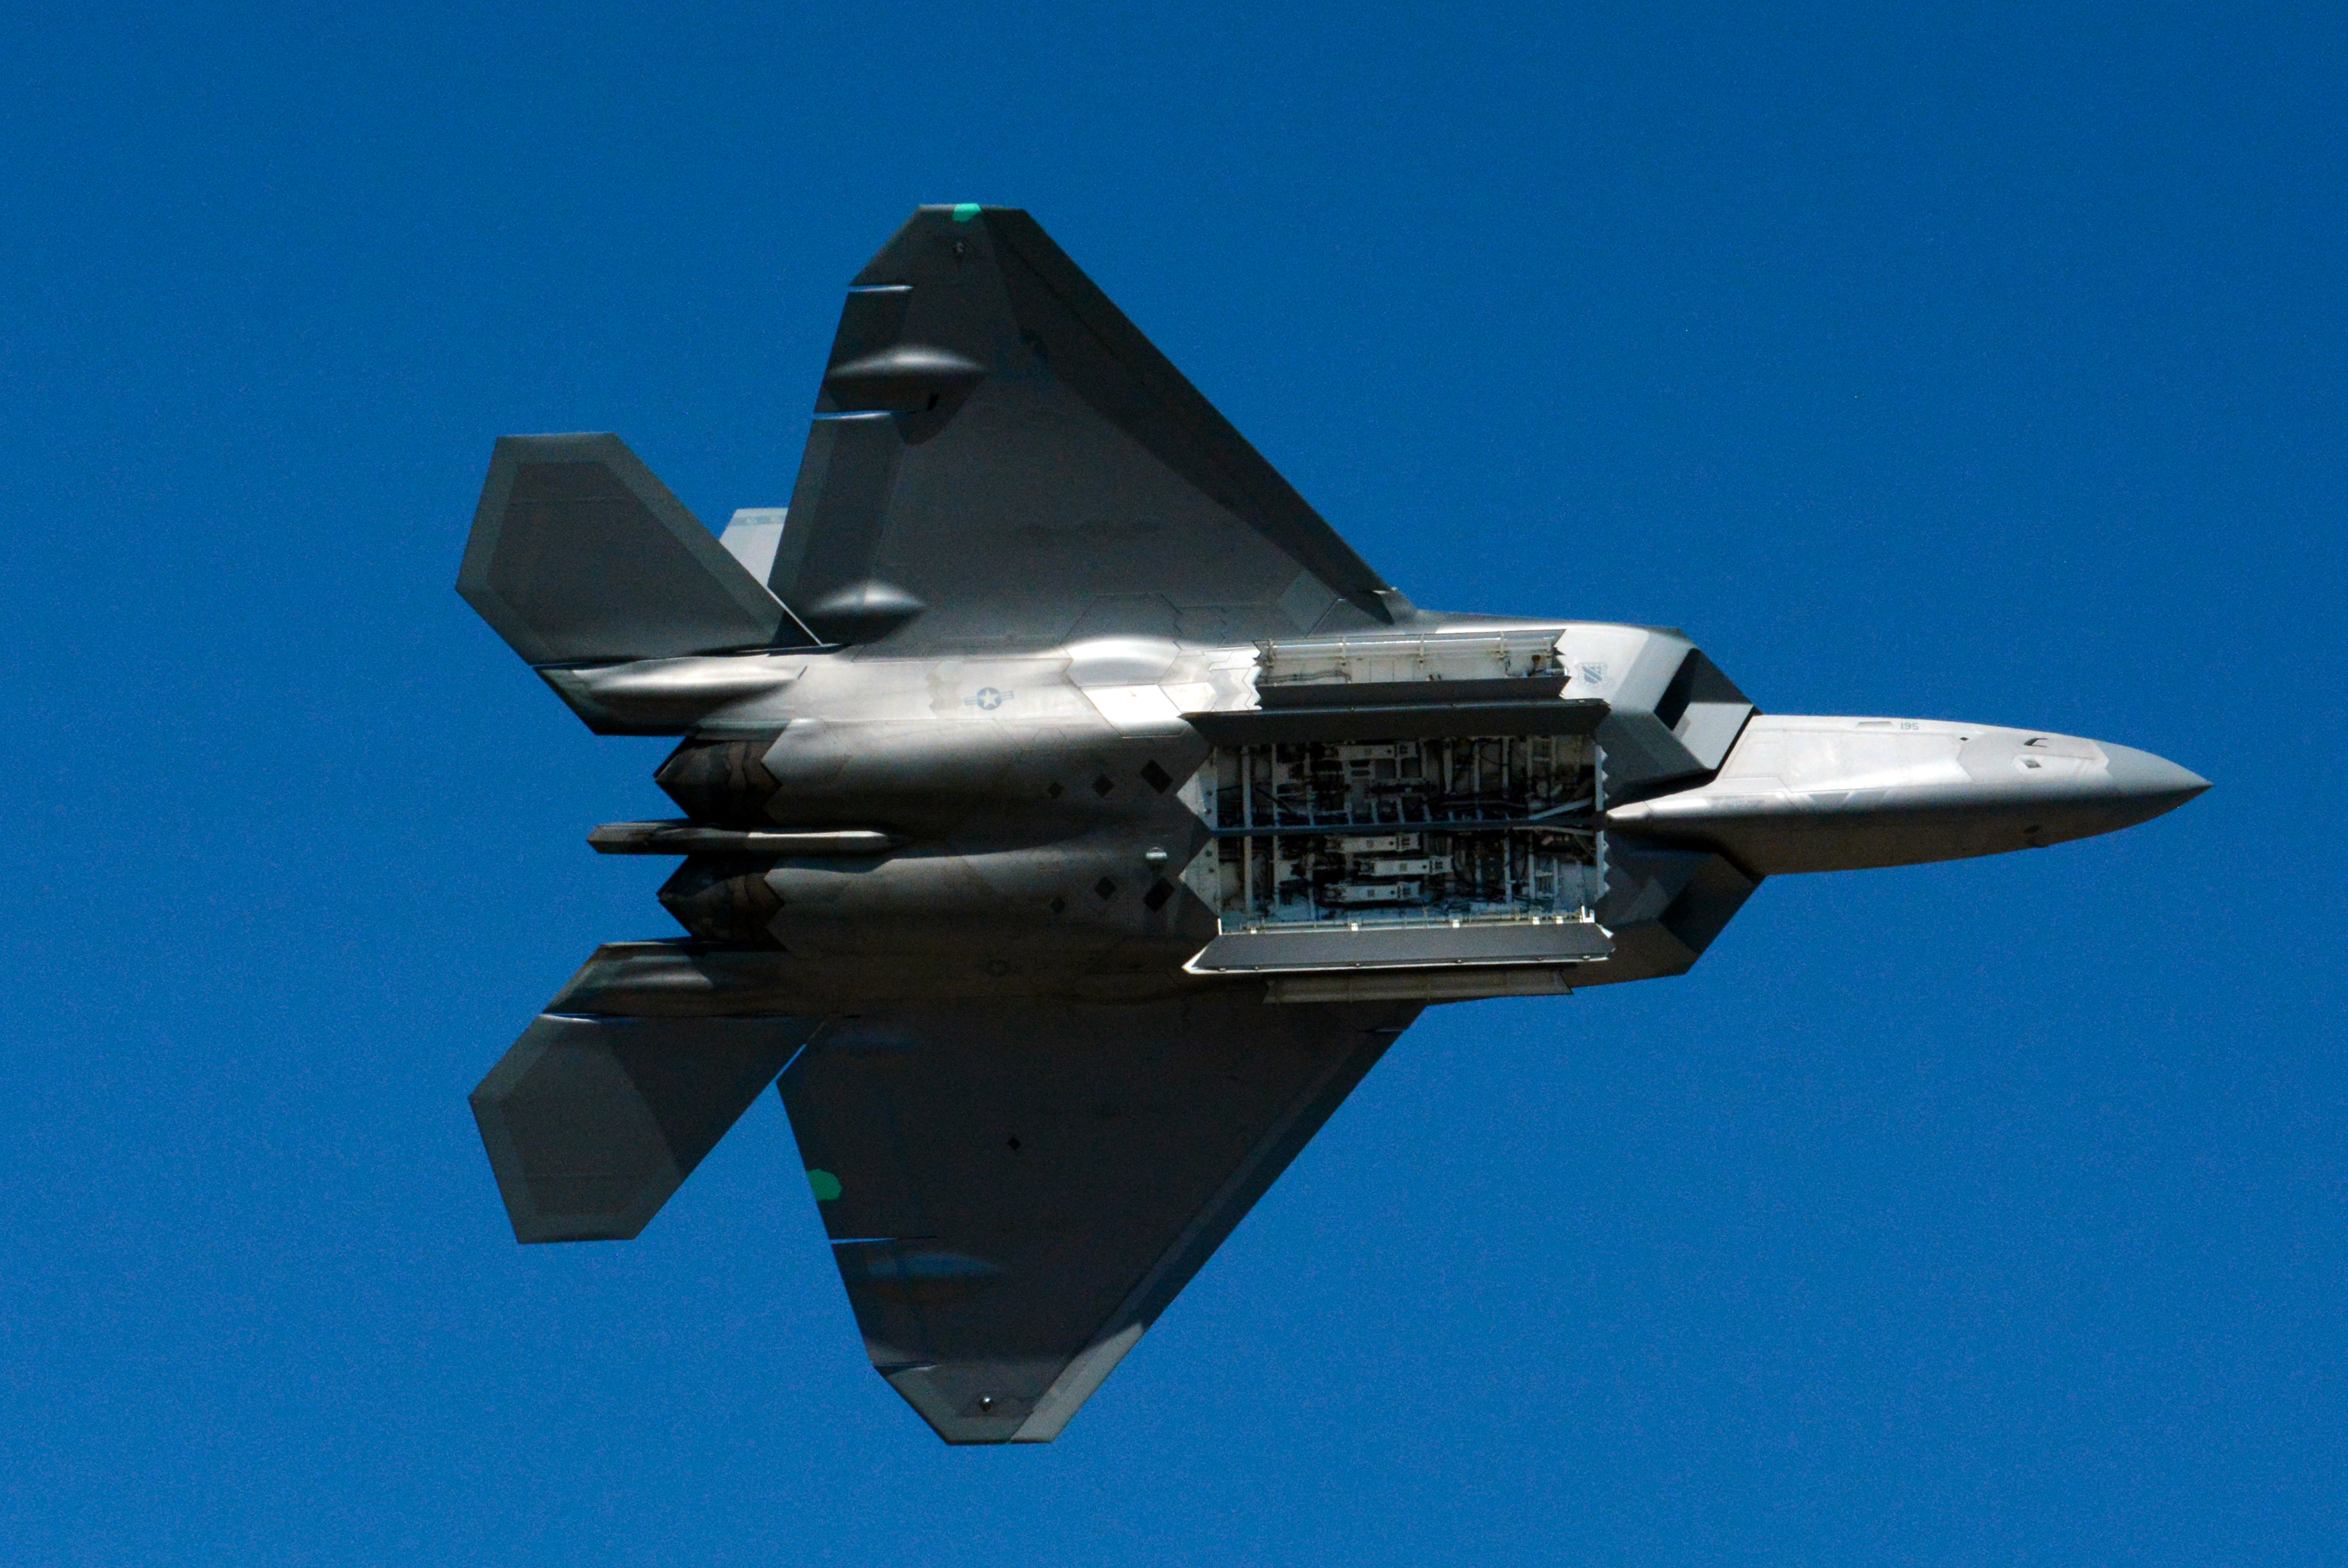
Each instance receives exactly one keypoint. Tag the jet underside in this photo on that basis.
(1071, 819)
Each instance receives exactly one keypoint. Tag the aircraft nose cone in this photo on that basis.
(2149, 785)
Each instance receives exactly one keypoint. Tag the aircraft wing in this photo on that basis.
(1015, 1190)
(1001, 458)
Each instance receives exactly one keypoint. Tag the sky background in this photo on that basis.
(1982, 362)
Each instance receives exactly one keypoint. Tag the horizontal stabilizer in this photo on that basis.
(579, 555)
(591, 1123)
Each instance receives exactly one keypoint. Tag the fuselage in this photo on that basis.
(1073, 818)
(1459, 806)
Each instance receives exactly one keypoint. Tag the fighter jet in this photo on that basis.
(1072, 819)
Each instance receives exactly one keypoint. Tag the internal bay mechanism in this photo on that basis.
(1406, 831)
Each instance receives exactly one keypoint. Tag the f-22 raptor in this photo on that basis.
(1072, 819)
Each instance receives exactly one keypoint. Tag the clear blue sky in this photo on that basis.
(1985, 362)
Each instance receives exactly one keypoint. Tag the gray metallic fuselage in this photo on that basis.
(1035, 813)
(1073, 818)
